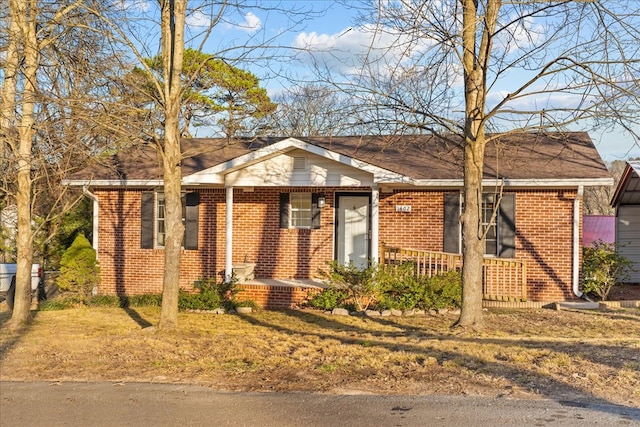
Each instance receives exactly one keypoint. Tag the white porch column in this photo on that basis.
(96, 210)
(375, 223)
(228, 255)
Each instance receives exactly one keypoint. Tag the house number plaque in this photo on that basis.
(403, 208)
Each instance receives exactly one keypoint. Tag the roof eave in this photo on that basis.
(524, 183)
(94, 183)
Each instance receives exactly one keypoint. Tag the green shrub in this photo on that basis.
(398, 287)
(358, 284)
(142, 300)
(105, 301)
(442, 291)
(210, 295)
(387, 287)
(55, 304)
(328, 299)
(78, 270)
(602, 266)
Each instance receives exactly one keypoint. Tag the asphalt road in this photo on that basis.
(132, 404)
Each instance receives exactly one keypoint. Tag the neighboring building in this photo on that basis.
(289, 206)
(626, 201)
(598, 227)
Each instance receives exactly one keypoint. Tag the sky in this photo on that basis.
(333, 31)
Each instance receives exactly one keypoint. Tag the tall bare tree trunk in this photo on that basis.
(173, 17)
(25, 13)
(475, 63)
(10, 82)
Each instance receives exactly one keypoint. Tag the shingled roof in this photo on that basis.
(518, 156)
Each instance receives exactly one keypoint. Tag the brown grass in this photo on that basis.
(565, 355)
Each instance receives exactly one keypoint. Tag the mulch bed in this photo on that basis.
(625, 293)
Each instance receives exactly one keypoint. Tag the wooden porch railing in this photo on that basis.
(503, 279)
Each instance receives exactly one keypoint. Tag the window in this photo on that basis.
(160, 217)
(490, 227)
(153, 231)
(300, 210)
(500, 233)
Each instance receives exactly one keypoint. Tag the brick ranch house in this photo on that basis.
(285, 207)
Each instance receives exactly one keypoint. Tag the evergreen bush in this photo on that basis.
(78, 270)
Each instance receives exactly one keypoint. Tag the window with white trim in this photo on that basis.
(300, 210)
(500, 239)
(160, 218)
(489, 227)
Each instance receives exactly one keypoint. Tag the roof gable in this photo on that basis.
(216, 174)
(628, 190)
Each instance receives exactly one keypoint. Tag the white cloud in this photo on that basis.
(520, 35)
(250, 25)
(197, 19)
(346, 50)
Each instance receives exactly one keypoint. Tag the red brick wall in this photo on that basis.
(543, 221)
(422, 228)
(544, 235)
(279, 253)
(257, 237)
(125, 268)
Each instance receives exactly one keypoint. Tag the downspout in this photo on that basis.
(228, 256)
(94, 198)
(576, 244)
(375, 223)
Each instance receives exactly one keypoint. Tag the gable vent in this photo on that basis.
(299, 163)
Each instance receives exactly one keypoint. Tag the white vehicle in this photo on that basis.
(8, 280)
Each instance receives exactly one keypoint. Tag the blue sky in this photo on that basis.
(335, 31)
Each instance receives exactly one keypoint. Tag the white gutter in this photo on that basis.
(114, 182)
(94, 198)
(576, 243)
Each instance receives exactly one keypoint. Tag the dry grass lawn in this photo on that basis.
(566, 355)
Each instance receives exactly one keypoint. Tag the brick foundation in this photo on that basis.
(276, 297)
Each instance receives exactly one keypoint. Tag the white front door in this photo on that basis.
(352, 234)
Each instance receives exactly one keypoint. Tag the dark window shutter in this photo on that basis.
(451, 241)
(284, 210)
(315, 211)
(191, 221)
(507, 226)
(146, 220)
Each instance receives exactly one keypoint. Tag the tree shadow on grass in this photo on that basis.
(527, 378)
(135, 316)
(14, 337)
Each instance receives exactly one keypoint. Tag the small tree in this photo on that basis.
(79, 269)
(602, 266)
